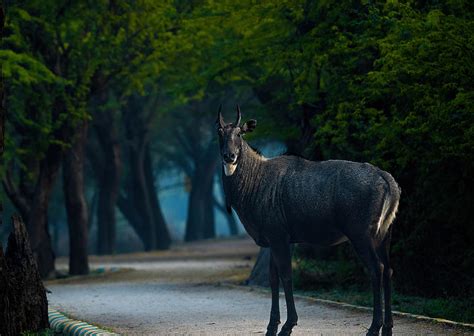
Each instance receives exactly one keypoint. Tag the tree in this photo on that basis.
(413, 121)
(139, 203)
(190, 146)
(188, 142)
(384, 83)
(53, 54)
(140, 46)
(30, 118)
(105, 155)
(47, 58)
(2, 93)
(76, 206)
(194, 88)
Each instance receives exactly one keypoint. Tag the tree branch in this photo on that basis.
(18, 200)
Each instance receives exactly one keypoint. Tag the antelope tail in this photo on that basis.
(390, 204)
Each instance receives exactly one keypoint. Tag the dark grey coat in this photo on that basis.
(324, 203)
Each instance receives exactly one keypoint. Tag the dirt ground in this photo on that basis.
(184, 292)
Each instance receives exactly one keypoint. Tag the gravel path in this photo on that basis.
(165, 295)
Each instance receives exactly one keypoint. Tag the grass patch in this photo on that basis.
(46, 332)
(344, 282)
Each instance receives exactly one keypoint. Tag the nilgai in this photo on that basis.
(287, 199)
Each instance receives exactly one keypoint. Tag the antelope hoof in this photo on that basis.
(272, 328)
(287, 328)
(372, 332)
(387, 331)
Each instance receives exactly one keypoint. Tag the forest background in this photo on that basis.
(110, 109)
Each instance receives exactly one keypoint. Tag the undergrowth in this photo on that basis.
(345, 281)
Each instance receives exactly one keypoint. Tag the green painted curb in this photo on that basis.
(60, 323)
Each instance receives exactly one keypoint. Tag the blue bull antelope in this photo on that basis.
(287, 199)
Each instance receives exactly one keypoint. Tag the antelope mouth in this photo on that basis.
(229, 168)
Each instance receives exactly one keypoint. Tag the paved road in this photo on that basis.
(172, 294)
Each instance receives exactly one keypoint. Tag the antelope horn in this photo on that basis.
(220, 119)
(239, 116)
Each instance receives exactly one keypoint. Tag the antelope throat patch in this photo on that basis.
(229, 168)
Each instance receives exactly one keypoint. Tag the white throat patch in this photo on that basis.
(229, 168)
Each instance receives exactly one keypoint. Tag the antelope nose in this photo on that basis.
(229, 157)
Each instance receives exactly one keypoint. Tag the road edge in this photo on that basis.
(435, 320)
(62, 324)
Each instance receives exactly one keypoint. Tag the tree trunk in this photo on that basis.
(128, 211)
(107, 164)
(209, 222)
(21, 193)
(200, 223)
(7, 313)
(140, 204)
(233, 226)
(163, 239)
(260, 275)
(25, 305)
(5, 282)
(38, 216)
(76, 206)
(140, 196)
(2, 91)
(92, 209)
(109, 185)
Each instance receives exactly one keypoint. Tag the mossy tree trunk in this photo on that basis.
(23, 303)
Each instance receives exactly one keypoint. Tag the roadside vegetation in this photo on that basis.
(46, 332)
(344, 281)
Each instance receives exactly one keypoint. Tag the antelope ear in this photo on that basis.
(218, 126)
(249, 126)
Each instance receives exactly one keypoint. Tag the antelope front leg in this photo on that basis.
(281, 255)
(275, 312)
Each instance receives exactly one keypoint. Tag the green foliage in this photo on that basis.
(24, 69)
(312, 274)
(46, 332)
(343, 281)
(385, 82)
(412, 114)
(45, 93)
(56, 58)
(388, 82)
